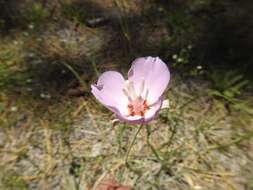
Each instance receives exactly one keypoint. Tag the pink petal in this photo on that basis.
(109, 91)
(154, 72)
(134, 120)
(154, 109)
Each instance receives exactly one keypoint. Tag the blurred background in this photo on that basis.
(55, 135)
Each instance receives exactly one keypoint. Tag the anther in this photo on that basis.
(142, 87)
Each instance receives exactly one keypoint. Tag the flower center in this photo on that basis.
(137, 104)
(138, 107)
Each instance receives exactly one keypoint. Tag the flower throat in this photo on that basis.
(137, 104)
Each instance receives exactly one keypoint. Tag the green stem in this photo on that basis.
(150, 145)
(76, 75)
(134, 139)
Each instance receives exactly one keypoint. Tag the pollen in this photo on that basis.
(138, 107)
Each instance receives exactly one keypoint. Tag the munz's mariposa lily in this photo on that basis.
(138, 99)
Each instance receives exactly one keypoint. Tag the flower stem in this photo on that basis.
(131, 145)
(150, 145)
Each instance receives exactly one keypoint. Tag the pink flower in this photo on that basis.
(138, 99)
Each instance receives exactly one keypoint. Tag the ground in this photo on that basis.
(55, 135)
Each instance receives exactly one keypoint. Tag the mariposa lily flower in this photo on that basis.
(138, 99)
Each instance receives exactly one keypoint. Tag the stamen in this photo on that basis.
(127, 95)
(146, 94)
(142, 87)
(129, 87)
(132, 90)
(137, 105)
